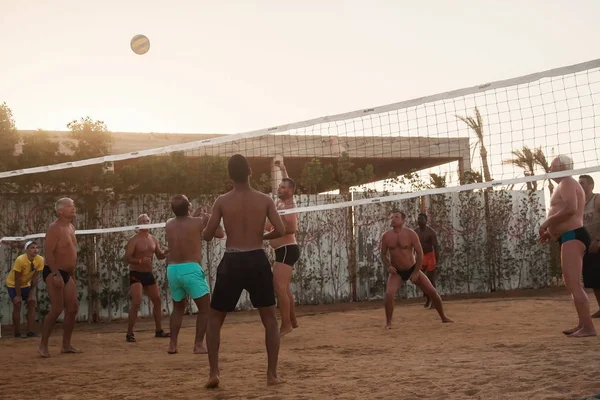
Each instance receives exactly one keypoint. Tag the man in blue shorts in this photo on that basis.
(21, 283)
(244, 265)
(184, 271)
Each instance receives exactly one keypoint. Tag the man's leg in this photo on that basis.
(425, 285)
(154, 295)
(393, 284)
(56, 296)
(282, 277)
(213, 342)
(272, 339)
(572, 262)
(16, 317)
(203, 304)
(71, 308)
(293, 318)
(176, 320)
(136, 300)
(31, 305)
(597, 294)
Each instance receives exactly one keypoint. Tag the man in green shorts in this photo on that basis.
(184, 272)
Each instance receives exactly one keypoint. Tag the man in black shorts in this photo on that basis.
(139, 254)
(287, 252)
(591, 221)
(244, 265)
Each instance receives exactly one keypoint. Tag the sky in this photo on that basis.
(237, 66)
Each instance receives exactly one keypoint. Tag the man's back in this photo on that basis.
(244, 213)
(184, 238)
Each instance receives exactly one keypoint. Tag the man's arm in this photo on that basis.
(49, 247)
(290, 221)
(17, 270)
(416, 242)
(436, 246)
(161, 255)
(569, 200)
(213, 222)
(130, 252)
(276, 221)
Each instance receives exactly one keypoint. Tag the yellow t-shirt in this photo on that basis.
(23, 265)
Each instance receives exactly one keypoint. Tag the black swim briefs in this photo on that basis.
(288, 254)
(580, 234)
(239, 270)
(405, 274)
(145, 278)
(64, 274)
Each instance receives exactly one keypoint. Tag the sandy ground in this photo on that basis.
(499, 348)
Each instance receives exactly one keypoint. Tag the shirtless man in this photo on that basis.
(244, 265)
(431, 252)
(140, 252)
(184, 270)
(402, 244)
(287, 253)
(60, 251)
(565, 223)
(591, 221)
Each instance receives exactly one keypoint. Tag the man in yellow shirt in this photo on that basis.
(22, 282)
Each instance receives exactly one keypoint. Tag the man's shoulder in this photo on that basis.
(38, 259)
(21, 258)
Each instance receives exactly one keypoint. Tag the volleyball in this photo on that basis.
(140, 44)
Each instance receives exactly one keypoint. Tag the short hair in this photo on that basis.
(422, 215)
(566, 161)
(396, 211)
(142, 215)
(588, 178)
(290, 182)
(238, 168)
(180, 205)
(61, 202)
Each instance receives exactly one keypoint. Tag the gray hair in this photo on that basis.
(565, 161)
(61, 203)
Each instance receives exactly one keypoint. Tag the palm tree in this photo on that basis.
(525, 159)
(540, 159)
(476, 125)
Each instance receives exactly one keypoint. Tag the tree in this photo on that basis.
(38, 150)
(437, 181)
(525, 159)
(476, 125)
(9, 138)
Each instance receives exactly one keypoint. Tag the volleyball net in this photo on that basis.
(433, 154)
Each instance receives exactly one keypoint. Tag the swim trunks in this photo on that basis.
(429, 261)
(12, 293)
(145, 278)
(239, 270)
(591, 270)
(187, 279)
(580, 234)
(47, 271)
(288, 254)
(405, 274)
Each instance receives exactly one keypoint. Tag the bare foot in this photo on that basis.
(43, 352)
(572, 330)
(212, 383)
(172, 349)
(285, 330)
(584, 332)
(275, 381)
(595, 315)
(70, 350)
(200, 349)
(446, 320)
(295, 323)
(427, 304)
(388, 326)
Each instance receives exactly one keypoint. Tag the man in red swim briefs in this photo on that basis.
(431, 252)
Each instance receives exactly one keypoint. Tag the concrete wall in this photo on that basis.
(321, 275)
